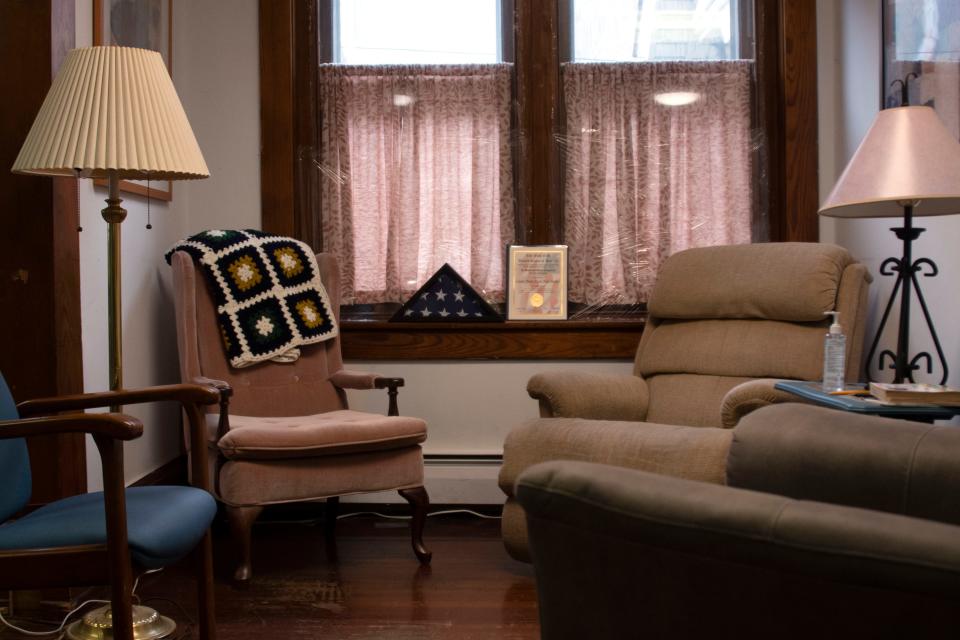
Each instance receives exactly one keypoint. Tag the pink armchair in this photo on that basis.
(290, 436)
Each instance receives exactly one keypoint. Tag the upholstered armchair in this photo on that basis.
(833, 525)
(724, 323)
(290, 436)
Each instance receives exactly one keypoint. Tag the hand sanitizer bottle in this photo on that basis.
(834, 353)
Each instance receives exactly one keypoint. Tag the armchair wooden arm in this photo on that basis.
(108, 425)
(183, 393)
(362, 380)
(190, 396)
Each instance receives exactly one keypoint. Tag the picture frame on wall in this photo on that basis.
(147, 24)
(536, 282)
(921, 46)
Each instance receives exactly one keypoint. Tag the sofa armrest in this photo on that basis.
(571, 394)
(625, 524)
(750, 396)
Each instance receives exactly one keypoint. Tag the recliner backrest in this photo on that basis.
(14, 462)
(267, 388)
(720, 316)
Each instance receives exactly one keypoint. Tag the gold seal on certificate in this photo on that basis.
(537, 282)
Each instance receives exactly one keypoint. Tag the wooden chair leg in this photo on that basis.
(205, 599)
(331, 509)
(419, 501)
(241, 521)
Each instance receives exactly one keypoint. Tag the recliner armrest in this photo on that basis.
(570, 394)
(750, 396)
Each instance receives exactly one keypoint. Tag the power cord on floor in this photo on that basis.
(315, 521)
(59, 629)
(66, 618)
(429, 515)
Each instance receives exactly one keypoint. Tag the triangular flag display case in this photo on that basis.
(446, 297)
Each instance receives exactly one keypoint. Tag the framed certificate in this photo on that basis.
(537, 282)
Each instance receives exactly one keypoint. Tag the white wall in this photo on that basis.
(849, 69)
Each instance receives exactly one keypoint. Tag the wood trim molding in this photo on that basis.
(798, 70)
(787, 74)
(561, 340)
(41, 354)
(277, 117)
(538, 185)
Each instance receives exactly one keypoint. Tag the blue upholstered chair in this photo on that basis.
(103, 537)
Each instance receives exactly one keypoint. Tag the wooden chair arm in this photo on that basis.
(183, 393)
(226, 391)
(109, 425)
(391, 385)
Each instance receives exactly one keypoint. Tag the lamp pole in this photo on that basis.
(114, 214)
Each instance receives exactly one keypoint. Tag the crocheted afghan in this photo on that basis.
(267, 292)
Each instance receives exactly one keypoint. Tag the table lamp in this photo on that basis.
(112, 112)
(907, 165)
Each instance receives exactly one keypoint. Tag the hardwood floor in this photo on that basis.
(370, 586)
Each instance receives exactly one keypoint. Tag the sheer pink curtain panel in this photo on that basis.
(658, 158)
(415, 172)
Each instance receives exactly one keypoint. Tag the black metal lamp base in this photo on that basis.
(906, 270)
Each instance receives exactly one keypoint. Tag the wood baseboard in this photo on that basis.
(173, 472)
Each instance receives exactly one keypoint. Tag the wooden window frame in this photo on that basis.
(290, 47)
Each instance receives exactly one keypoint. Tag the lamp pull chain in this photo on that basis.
(77, 183)
(149, 226)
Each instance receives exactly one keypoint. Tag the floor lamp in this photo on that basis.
(908, 165)
(112, 112)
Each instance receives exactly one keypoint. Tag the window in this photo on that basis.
(784, 127)
(416, 32)
(415, 156)
(658, 154)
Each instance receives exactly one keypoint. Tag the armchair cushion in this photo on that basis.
(789, 281)
(155, 538)
(571, 394)
(322, 434)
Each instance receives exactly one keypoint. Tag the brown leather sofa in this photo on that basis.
(833, 525)
(723, 322)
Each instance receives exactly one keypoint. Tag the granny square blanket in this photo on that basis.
(267, 291)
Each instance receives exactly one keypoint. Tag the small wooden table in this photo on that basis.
(868, 406)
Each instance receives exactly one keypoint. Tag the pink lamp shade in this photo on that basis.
(908, 156)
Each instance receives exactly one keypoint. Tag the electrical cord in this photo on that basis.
(59, 629)
(315, 521)
(66, 618)
(429, 515)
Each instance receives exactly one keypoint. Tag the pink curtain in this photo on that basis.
(646, 179)
(416, 172)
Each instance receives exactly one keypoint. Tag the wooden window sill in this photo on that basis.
(589, 339)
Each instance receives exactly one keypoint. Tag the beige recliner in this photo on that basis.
(724, 323)
(290, 436)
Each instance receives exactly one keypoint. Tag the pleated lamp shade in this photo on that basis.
(112, 110)
(908, 156)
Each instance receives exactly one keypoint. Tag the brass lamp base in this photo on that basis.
(98, 625)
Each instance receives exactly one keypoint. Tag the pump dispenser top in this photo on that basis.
(835, 328)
